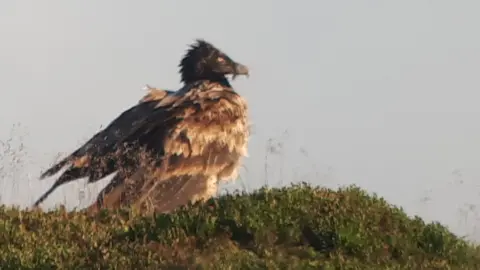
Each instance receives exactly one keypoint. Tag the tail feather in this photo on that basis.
(70, 175)
(54, 169)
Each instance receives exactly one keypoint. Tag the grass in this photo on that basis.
(296, 227)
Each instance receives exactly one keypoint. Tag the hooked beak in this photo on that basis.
(240, 70)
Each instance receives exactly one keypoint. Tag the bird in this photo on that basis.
(173, 146)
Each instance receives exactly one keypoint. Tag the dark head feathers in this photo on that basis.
(203, 61)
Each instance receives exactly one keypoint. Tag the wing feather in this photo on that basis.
(100, 156)
(191, 141)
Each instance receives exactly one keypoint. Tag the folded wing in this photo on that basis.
(183, 148)
(99, 156)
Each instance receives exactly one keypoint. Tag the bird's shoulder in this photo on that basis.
(200, 97)
(202, 107)
(154, 94)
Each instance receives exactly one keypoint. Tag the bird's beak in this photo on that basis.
(240, 70)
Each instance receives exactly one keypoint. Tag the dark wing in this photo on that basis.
(191, 141)
(98, 157)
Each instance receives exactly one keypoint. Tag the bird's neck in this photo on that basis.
(221, 79)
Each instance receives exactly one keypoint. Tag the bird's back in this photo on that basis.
(193, 140)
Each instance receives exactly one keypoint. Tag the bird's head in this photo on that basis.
(203, 61)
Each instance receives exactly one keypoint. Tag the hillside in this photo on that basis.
(299, 227)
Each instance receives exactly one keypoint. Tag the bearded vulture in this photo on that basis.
(173, 147)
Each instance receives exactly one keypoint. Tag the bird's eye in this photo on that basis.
(220, 59)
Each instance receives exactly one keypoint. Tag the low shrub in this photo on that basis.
(296, 227)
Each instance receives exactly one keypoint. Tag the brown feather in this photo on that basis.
(144, 192)
(187, 145)
(97, 158)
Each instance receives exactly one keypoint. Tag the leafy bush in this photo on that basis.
(297, 227)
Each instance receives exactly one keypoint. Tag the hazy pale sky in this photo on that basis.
(381, 94)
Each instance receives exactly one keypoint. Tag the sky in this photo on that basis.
(380, 94)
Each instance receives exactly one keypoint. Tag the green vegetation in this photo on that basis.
(299, 227)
